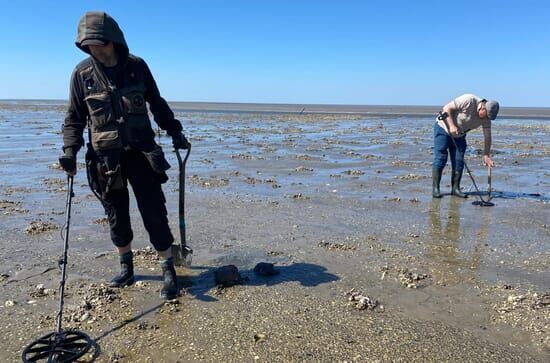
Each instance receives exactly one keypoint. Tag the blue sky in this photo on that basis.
(341, 52)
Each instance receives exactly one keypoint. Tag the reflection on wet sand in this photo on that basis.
(446, 234)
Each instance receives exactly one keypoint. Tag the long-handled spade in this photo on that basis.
(183, 254)
(481, 202)
(61, 345)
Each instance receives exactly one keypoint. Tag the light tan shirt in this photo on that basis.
(466, 115)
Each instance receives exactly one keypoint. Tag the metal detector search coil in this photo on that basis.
(61, 345)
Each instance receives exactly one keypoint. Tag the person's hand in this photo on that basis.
(453, 130)
(68, 163)
(487, 161)
(179, 141)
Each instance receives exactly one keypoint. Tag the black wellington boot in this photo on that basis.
(436, 179)
(455, 181)
(126, 276)
(170, 289)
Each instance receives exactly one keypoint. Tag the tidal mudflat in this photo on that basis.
(337, 201)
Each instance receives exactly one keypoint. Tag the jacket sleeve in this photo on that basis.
(162, 113)
(75, 118)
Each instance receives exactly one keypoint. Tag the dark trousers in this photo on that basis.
(443, 145)
(146, 185)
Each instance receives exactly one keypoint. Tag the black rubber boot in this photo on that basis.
(170, 289)
(455, 181)
(126, 276)
(436, 179)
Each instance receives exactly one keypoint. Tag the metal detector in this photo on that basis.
(61, 345)
(481, 202)
(182, 253)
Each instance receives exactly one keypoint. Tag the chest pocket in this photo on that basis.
(103, 125)
(133, 101)
(100, 109)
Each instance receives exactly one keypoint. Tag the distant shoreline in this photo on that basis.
(371, 110)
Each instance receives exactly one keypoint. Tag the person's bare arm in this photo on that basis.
(487, 147)
(450, 109)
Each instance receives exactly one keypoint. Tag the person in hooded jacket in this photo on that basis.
(108, 94)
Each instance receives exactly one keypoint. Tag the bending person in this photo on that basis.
(464, 113)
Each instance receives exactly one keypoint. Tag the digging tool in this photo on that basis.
(61, 345)
(481, 202)
(183, 254)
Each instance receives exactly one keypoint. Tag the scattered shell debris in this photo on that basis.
(354, 172)
(210, 182)
(529, 311)
(38, 226)
(361, 301)
(8, 207)
(41, 291)
(410, 279)
(336, 246)
(101, 221)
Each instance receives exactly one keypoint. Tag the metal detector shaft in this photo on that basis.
(443, 116)
(63, 261)
(489, 189)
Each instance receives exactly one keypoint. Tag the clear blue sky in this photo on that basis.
(343, 52)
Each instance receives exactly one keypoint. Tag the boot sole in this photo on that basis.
(165, 296)
(128, 282)
(460, 196)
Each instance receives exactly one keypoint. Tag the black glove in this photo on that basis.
(68, 163)
(179, 141)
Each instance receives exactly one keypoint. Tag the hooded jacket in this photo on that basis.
(116, 114)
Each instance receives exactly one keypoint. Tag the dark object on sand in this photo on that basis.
(61, 345)
(265, 269)
(227, 276)
(483, 203)
(183, 254)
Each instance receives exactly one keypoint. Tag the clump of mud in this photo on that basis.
(55, 184)
(303, 169)
(336, 246)
(299, 196)
(209, 182)
(8, 207)
(38, 226)
(411, 177)
(11, 190)
(246, 156)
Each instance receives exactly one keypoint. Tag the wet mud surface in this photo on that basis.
(370, 268)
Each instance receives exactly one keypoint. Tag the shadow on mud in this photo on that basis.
(306, 274)
(511, 195)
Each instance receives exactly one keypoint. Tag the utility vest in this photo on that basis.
(118, 117)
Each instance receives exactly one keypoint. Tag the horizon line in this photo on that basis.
(280, 103)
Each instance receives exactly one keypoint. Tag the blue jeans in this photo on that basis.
(442, 144)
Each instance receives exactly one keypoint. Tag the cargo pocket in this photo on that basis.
(100, 109)
(156, 159)
(106, 138)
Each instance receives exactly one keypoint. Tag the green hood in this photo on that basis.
(100, 25)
